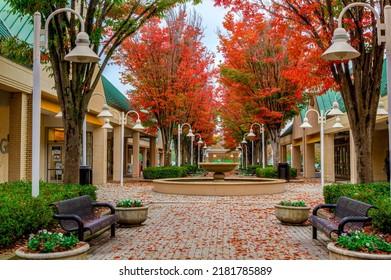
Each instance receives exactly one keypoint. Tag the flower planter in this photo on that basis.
(78, 253)
(132, 215)
(337, 253)
(291, 214)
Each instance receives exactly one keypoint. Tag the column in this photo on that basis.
(329, 170)
(99, 154)
(117, 135)
(353, 160)
(153, 151)
(283, 153)
(136, 152)
(309, 161)
(296, 158)
(145, 157)
(17, 146)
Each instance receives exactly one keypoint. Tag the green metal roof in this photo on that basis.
(4, 32)
(15, 24)
(325, 101)
(114, 97)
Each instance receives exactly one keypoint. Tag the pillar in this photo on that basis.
(145, 157)
(309, 161)
(153, 152)
(18, 135)
(329, 165)
(117, 135)
(136, 152)
(99, 155)
(296, 158)
(283, 153)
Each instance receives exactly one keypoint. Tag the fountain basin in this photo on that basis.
(230, 186)
(219, 168)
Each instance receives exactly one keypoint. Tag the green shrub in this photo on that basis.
(191, 168)
(272, 172)
(293, 172)
(268, 172)
(368, 193)
(381, 217)
(377, 194)
(20, 213)
(252, 168)
(160, 172)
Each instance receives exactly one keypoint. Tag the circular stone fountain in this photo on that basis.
(219, 168)
(219, 185)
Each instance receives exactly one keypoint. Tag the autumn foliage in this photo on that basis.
(171, 74)
(261, 81)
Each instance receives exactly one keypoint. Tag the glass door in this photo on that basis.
(55, 163)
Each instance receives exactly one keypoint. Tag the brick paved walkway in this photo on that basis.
(207, 228)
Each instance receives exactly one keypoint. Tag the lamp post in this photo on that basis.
(321, 121)
(123, 121)
(190, 134)
(238, 148)
(205, 147)
(198, 149)
(341, 50)
(251, 134)
(244, 142)
(81, 53)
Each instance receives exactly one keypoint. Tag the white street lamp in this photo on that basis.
(239, 148)
(244, 142)
(205, 147)
(262, 130)
(321, 121)
(81, 53)
(190, 134)
(123, 119)
(341, 50)
(200, 142)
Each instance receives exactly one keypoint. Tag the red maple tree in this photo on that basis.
(171, 76)
(260, 77)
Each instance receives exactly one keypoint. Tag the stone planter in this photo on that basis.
(80, 253)
(131, 216)
(337, 253)
(292, 215)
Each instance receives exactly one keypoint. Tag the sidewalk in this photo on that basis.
(184, 227)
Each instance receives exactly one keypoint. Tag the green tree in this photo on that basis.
(109, 23)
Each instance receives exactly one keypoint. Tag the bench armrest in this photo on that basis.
(104, 204)
(350, 219)
(317, 207)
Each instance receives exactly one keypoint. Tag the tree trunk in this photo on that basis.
(72, 134)
(275, 143)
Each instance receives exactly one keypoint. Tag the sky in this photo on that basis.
(212, 18)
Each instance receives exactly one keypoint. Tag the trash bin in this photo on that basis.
(283, 171)
(85, 175)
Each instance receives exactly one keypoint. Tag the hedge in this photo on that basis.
(160, 172)
(377, 194)
(272, 172)
(21, 214)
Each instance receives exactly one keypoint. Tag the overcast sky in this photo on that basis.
(212, 18)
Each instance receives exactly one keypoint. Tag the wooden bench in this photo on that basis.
(78, 214)
(349, 214)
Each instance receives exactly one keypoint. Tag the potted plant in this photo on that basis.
(47, 245)
(292, 212)
(359, 246)
(131, 212)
